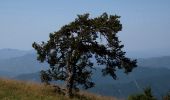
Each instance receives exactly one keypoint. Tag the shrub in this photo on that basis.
(146, 95)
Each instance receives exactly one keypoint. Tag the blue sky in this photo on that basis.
(146, 23)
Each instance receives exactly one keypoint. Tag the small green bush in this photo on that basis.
(147, 95)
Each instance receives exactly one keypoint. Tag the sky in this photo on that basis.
(146, 23)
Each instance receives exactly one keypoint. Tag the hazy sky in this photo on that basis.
(146, 23)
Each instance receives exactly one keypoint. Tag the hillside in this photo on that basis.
(156, 62)
(153, 72)
(16, 62)
(17, 90)
(134, 82)
(141, 77)
(12, 53)
(21, 65)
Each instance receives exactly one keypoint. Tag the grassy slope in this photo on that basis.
(17, 90)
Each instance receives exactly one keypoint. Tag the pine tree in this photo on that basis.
(69, 51)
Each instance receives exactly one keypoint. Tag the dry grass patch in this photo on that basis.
(19, 90)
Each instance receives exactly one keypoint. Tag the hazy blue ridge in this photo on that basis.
(153, 72)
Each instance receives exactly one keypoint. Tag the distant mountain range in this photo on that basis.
(157, 62)
(154, 72)
(135, 82)
(12, 53)
(20, 63)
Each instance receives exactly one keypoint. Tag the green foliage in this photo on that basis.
(70, 49)
(45, 77)
(147, 95)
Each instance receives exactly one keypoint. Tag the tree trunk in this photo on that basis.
(69, 81)
(70, 85)
(71, 74)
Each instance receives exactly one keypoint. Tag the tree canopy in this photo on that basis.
(70, 50)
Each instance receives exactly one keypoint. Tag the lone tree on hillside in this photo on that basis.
(69, 50)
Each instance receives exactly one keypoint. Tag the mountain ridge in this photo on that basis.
(26, 67)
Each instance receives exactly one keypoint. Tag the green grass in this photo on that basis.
(18, 90)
